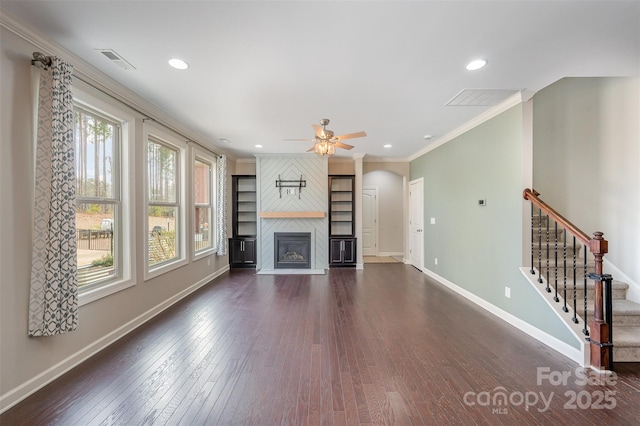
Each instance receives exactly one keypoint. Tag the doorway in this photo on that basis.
(369, 221)
(416, 223)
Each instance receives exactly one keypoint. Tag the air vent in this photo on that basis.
(481, 97)
(116, 59)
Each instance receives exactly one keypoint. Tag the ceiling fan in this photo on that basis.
(326, 142)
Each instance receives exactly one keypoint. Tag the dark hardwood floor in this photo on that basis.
(386, 345)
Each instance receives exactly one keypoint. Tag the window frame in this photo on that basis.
(207, 157)
(158, 134)
(94, 102)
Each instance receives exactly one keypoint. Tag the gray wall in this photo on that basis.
(479, 248)
(586, 146)
(23, 359)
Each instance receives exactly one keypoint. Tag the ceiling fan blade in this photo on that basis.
(311, 149)
(319, 130)
(343, 145)
(351, 136)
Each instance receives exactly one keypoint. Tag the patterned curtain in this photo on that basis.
(53, 303)
(221, 205)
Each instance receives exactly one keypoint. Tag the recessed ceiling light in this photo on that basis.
(387, 145)
(258, 146)
(178, 64)
(223, 140)
(476, 65)
(427, 137)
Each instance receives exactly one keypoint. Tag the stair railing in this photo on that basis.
(600, 332)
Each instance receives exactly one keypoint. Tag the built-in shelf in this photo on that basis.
(244, 206)
(292, 215)
(243, 244)
(342, 240)
(341, 206)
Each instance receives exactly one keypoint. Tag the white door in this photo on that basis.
(416, 223)
(369, 222)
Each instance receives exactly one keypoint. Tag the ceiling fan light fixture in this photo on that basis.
(324, 148)
(325, 141)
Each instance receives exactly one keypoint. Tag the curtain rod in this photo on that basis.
(46, 61)
(43, 59)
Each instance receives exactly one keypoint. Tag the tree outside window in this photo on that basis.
(164, 207)
(202, 187)
(98, 209)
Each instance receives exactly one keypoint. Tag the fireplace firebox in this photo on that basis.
(292, 250)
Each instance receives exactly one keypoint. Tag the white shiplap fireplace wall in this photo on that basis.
(312, 198)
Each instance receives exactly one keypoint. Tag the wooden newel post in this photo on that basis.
(599, 329)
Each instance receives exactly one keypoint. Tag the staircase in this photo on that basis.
(551, 258)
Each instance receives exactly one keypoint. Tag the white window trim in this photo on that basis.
(184, 220)
(92, 99)
(209, 157)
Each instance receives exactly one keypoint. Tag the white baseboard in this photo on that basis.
(31, 386)
(549, 340)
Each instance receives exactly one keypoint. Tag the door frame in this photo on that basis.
(375, 225)
(419, 233)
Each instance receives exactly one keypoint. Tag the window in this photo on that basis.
(165, 215)
(104, 156)
(98, 201)
(203, 198)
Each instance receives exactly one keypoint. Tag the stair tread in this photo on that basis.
(552, 263)
(615, 285)
(626, 336)
(552, 243)
(623, 307)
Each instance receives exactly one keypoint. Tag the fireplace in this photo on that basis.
(292, 250)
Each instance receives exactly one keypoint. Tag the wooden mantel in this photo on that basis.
(292, 215)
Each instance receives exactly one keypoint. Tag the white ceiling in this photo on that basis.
(263, 71)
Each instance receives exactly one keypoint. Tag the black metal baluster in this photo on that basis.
(585, 330)
(539, 245)
(533, 271)
(555, 269)
(607, 281)
(575, 317)
(548, 288)
(564, 270)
